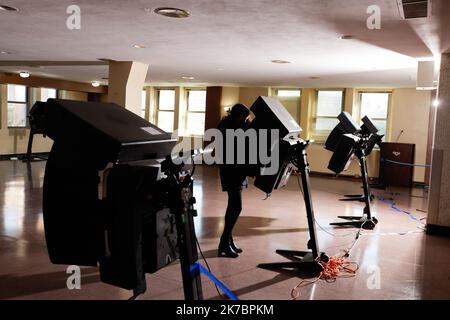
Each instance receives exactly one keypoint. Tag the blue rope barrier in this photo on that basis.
(197, 267)
(394, 207)
(407, 164)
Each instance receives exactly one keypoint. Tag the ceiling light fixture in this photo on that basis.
(436, 103)
(314, 78)
(8, 8)
(187, 78)
(95, 84)
(347, 37)
(139, 46)
(172, 12)
(24, 74)
(4, 52)
(280, 61)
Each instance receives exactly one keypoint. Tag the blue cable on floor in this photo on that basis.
(197, 267)
(393, 206)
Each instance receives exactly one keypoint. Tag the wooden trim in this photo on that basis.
(59, 84)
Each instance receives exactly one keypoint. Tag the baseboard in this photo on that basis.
(341, 176)
(21, 156)
(435, 230)
(373, 180)
(419, 185)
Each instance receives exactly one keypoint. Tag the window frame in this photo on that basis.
(388, 111)
(157, 92)
(321, 137)
(188, 90)
(26, 103)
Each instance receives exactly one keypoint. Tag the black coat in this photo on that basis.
(232, 176)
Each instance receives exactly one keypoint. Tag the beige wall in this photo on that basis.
(248, 95)
(292, 104)
(319, 157)
(410, 112)
(73, 95)
(15, 141)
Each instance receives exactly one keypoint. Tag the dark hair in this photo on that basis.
(239, 110)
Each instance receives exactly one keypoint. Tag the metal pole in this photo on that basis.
(304, 169)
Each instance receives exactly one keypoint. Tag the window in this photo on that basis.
(196, 107)
(143, 103)
(284, 93)
(375, 105)
(47, 93)
(329, 105)
(17, 106)
(166, 109)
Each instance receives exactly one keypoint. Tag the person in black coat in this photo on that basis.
(233, 178)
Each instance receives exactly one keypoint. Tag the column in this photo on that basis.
(439, 197)
(126, 82)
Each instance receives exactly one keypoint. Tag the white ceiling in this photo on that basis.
(228, 41)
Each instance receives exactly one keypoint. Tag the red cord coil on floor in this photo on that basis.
(336, 267)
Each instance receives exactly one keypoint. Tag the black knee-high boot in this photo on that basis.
(234, 209)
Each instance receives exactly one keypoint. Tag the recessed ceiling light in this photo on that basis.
(346, 37)
(220, 69)
(187, 78)
(4, 52)
(95, 84)
(24, 74)
(280, 61)
(172, 12)
(139, 46)
(314, 78)
(8, 8)
(436, 103)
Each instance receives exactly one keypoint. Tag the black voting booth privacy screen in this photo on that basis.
(270, 114)
(342, 141)
(346, 136)
(348, 140)
(368, 128)
(101, 132)
(346, 125)
(119, 232)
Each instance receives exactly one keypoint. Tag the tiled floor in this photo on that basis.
(392, 266)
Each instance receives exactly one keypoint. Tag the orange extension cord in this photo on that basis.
(336, 267)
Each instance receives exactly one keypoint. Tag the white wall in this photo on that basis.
(410, 113)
